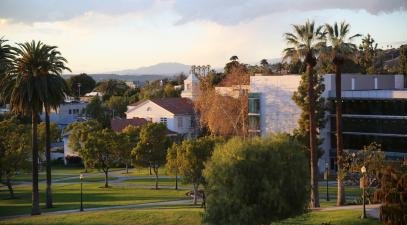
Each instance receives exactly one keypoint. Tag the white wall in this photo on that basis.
(278, 112)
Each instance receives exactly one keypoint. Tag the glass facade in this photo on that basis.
(254, 113)
(380, 121)
(394, 107)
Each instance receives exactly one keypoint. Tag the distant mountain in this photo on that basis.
(157, 69)
(140, 78)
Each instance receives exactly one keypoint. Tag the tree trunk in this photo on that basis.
(10, 187)
(156, 177)
(48, 194)
(339, 143)
(106, 178)
(196, 193)
(127, 168)
(35, 207)
(150, 168)
(311, 61)
(176, 179)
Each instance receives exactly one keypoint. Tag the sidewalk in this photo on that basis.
(371, 210)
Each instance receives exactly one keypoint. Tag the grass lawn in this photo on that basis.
(161, 181)
(178, 216)
(67, 197)
(100, 178)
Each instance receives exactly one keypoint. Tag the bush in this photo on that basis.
(256, 181)
(73, 160)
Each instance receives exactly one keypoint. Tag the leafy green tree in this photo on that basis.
(96, 110)
(367, 50)
(340, 47)
(55, 134)
(152, 147)
(14, 152)
(403, 59)
(173, 162)
(101, 147)
(28, 87)
(307, 40)
(189, 159)
(79, 135)
(256, 181)
(128, 140)
(234, 63)
(111, 88)
(86, 82)
(117, 105)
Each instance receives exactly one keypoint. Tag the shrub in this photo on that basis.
(256, 181)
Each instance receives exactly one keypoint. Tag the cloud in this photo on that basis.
(231, 12)
(29, 11)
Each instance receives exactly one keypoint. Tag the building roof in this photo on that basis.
(177, 106)
(119, 124)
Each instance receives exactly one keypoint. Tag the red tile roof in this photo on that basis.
(119, 124)
(174, 105)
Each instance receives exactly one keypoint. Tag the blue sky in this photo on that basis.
(109, 35)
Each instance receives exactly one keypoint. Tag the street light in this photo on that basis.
(79, 90)
(81, 178)
(363, 170)
(326, 178)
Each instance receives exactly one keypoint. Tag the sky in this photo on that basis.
(98, 36)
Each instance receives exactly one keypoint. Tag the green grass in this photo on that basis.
(340, 217)
(161, 181)
(144, 171)
(178, 216)
(100, 178)
(67, 197)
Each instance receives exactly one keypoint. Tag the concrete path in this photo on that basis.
(133, 206)
(371, 210)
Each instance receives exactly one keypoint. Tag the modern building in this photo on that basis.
(177, 113)
(374, 110)
(67, 113)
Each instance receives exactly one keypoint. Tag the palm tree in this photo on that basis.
(305, 42)
(6, 57)
(339, 48)
(234, 58)
(57, 90)
(28, 87)
(265, 65)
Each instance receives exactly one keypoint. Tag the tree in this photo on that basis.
(403, 60)
(54, 134)
(212, 105)
(81, 84)
(265, 67)
(26, 87)
(128, 139)
(307, 40)
(367, 53)
(6, 57)
(339, 48)
(96, 110)
(256, 181)
(152, 147)
(189, 159)
(117, 105)
(111, 87)
(101, 147)
(79, 135)
(14, 152)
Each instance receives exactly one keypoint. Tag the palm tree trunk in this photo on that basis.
(48, 160)
(107, 178)
(341, 200)
(311, 61)
(35, 208)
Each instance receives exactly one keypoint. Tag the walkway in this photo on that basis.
(371, 210)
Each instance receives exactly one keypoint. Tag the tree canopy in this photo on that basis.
(87, 84)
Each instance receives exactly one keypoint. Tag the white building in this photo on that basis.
(191, 87)
(177, 113)
(67, 113)
(374, 110)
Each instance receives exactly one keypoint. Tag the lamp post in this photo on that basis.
(81, 178)
(79, 90)
(326, 178)
(363, 170)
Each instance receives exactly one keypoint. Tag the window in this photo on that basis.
(163, 120)
(180, 122)
(148, 108)
(70, 111)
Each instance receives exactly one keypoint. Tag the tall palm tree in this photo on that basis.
(57, 89)
(27, 85)
(339, 48)
(305, 42)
